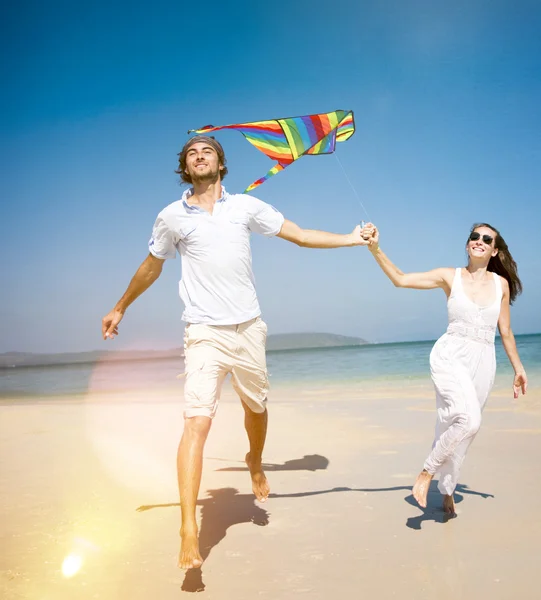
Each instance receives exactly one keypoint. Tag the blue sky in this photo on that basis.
(98, 101)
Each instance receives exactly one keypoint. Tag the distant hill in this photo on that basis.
(23, 359)
(297, 341)
(276, 342)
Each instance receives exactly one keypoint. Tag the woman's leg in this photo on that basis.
(459, 419)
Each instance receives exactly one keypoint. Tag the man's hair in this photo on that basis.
(211, 141)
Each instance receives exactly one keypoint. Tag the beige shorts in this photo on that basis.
(213, 351)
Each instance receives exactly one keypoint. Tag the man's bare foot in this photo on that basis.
(260, 485)
(449, 506)
(420, 488)
(189, 557)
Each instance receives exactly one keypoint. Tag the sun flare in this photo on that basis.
(71, 565)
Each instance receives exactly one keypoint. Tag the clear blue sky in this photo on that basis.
(98, 98)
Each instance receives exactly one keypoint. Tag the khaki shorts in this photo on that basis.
(213, 351)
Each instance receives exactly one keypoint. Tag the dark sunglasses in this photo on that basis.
(487, 239)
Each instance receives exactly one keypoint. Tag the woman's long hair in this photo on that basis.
(503, 263)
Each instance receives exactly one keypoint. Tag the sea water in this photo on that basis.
(400, 363)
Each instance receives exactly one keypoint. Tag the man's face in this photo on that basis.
(202, 163)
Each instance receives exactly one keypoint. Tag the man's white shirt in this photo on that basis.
(217, 285)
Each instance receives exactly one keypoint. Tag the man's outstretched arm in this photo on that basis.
(311, 238)
(145, 276)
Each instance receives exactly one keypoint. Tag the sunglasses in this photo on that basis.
(487, 239)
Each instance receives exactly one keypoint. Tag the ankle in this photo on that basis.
(255, 461)
(189, 530)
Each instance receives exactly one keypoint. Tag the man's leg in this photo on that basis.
(251, 383)
(206, 368)
(256, 428)
(189, 467)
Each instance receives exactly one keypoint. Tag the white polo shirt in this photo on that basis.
(217, 285)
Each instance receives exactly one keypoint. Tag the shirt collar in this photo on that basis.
(192, 208)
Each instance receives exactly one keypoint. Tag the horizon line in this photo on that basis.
(177, 348)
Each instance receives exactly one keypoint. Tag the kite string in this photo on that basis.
(352, 186)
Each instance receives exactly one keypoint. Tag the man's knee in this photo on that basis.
(197, 427)
(252, 408)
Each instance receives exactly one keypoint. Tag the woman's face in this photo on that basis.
(482, 244)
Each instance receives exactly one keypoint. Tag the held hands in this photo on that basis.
(357, 237)
(109, 324)
(520, 383)
(370, 234)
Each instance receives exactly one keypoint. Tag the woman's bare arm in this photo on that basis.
(520, 382)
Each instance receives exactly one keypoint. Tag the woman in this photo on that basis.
(463, 362)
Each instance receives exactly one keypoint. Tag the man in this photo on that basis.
(224, 333)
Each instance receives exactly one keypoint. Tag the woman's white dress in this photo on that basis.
(463, 366)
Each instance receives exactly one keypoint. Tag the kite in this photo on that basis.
(286, 140)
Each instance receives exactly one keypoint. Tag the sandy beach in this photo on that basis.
(93, 478)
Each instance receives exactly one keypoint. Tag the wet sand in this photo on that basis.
(94, 478)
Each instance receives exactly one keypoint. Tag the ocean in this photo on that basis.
(378, 364)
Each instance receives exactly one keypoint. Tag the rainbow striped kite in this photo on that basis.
(286, 140)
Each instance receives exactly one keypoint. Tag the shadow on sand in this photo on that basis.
(309, 462)
(225, 507)
(432, 512)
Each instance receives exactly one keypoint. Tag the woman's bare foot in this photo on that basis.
(449, 506)
(260, 485)
(421, 486)
(189, 557)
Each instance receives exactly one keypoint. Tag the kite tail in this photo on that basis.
(276, 169)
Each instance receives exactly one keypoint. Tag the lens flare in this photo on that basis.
(71, 565)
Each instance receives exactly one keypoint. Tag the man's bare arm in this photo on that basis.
(311, 238)
(144, 277)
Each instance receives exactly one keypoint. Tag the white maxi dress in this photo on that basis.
(463, 366)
